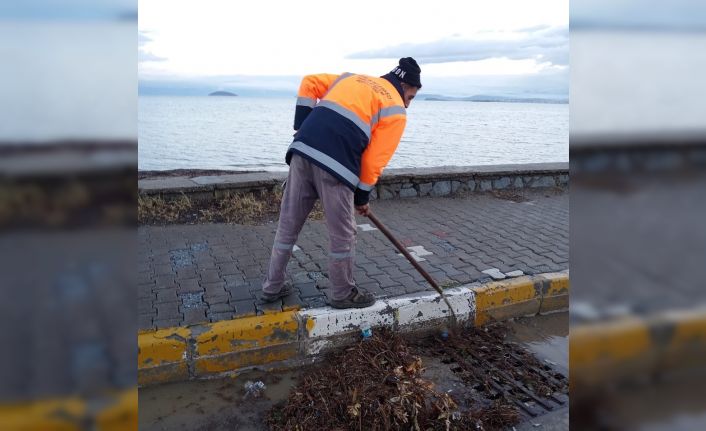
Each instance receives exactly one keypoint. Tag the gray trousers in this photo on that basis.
(307, 182)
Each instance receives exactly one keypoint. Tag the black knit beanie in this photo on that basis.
(408, 72)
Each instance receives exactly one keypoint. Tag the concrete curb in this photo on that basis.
(281, 339)
(637, 347)
(113, 412)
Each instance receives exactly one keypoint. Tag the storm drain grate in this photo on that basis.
(498, 370)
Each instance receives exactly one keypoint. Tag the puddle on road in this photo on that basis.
(546, 336)
(210, 405)
(221, 404)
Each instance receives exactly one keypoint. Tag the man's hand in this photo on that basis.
(363, 210)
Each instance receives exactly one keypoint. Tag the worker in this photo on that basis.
(347, 128)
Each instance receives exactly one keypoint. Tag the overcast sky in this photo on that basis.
(454, 42)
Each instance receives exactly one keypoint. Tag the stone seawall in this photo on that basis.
(394, 183)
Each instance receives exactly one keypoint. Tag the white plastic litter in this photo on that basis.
(254, 389)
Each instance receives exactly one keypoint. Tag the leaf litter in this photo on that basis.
(379, 384)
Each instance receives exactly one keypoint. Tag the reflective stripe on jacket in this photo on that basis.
(349, 125)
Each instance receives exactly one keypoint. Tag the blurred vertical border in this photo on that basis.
(68, 176)
(638, 243)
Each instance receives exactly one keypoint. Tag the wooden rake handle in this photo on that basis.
(409, 257)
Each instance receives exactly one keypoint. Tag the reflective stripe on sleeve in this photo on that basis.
(365, 186)
(387, 112)
(306, 101)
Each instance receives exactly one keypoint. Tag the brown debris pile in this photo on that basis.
(374, 385)
(237, 208)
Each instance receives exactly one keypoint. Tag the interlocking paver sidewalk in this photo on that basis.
(211, 272)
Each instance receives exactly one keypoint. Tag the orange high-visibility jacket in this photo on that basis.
(349, 125)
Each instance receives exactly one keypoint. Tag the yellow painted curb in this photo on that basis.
(247, 333)
(501, 300)
(162, 347)
(51, 415)
(208, 349)
(634, 346)
(234, 361)
(232, 344)
(180, 353)
(72, 413)
(555, 292)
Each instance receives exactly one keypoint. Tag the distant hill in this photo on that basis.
(222, 93)
(486, 98)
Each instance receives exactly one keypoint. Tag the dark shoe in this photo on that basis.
(272, 297)
(356, 299)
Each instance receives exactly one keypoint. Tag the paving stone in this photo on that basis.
(209, 276)
(300, 278)
(167, 323)
(228, 268)
(404, 280)
(194, 315)
(164, 281)
(169, 310)
(495, 273)
(164, 269)
(307, 289)
(145, 321)
(216, 298)
(221, 308)
(266, 307)
(315, 301)
(239, 293)
(292, 302)
(244, 308)
(145, 307)
(234, 280)
(167, 295)
(217, 317)
(482, 232)
(191, 300)
(449, 270)
(190, 285)
(385, 281)
(186, 273)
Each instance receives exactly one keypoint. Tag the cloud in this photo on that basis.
(550, 82)
(144, 55)
(148, 56)
(543, 44)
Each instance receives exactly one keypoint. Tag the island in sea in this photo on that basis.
(485, 98)
(222, 93)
